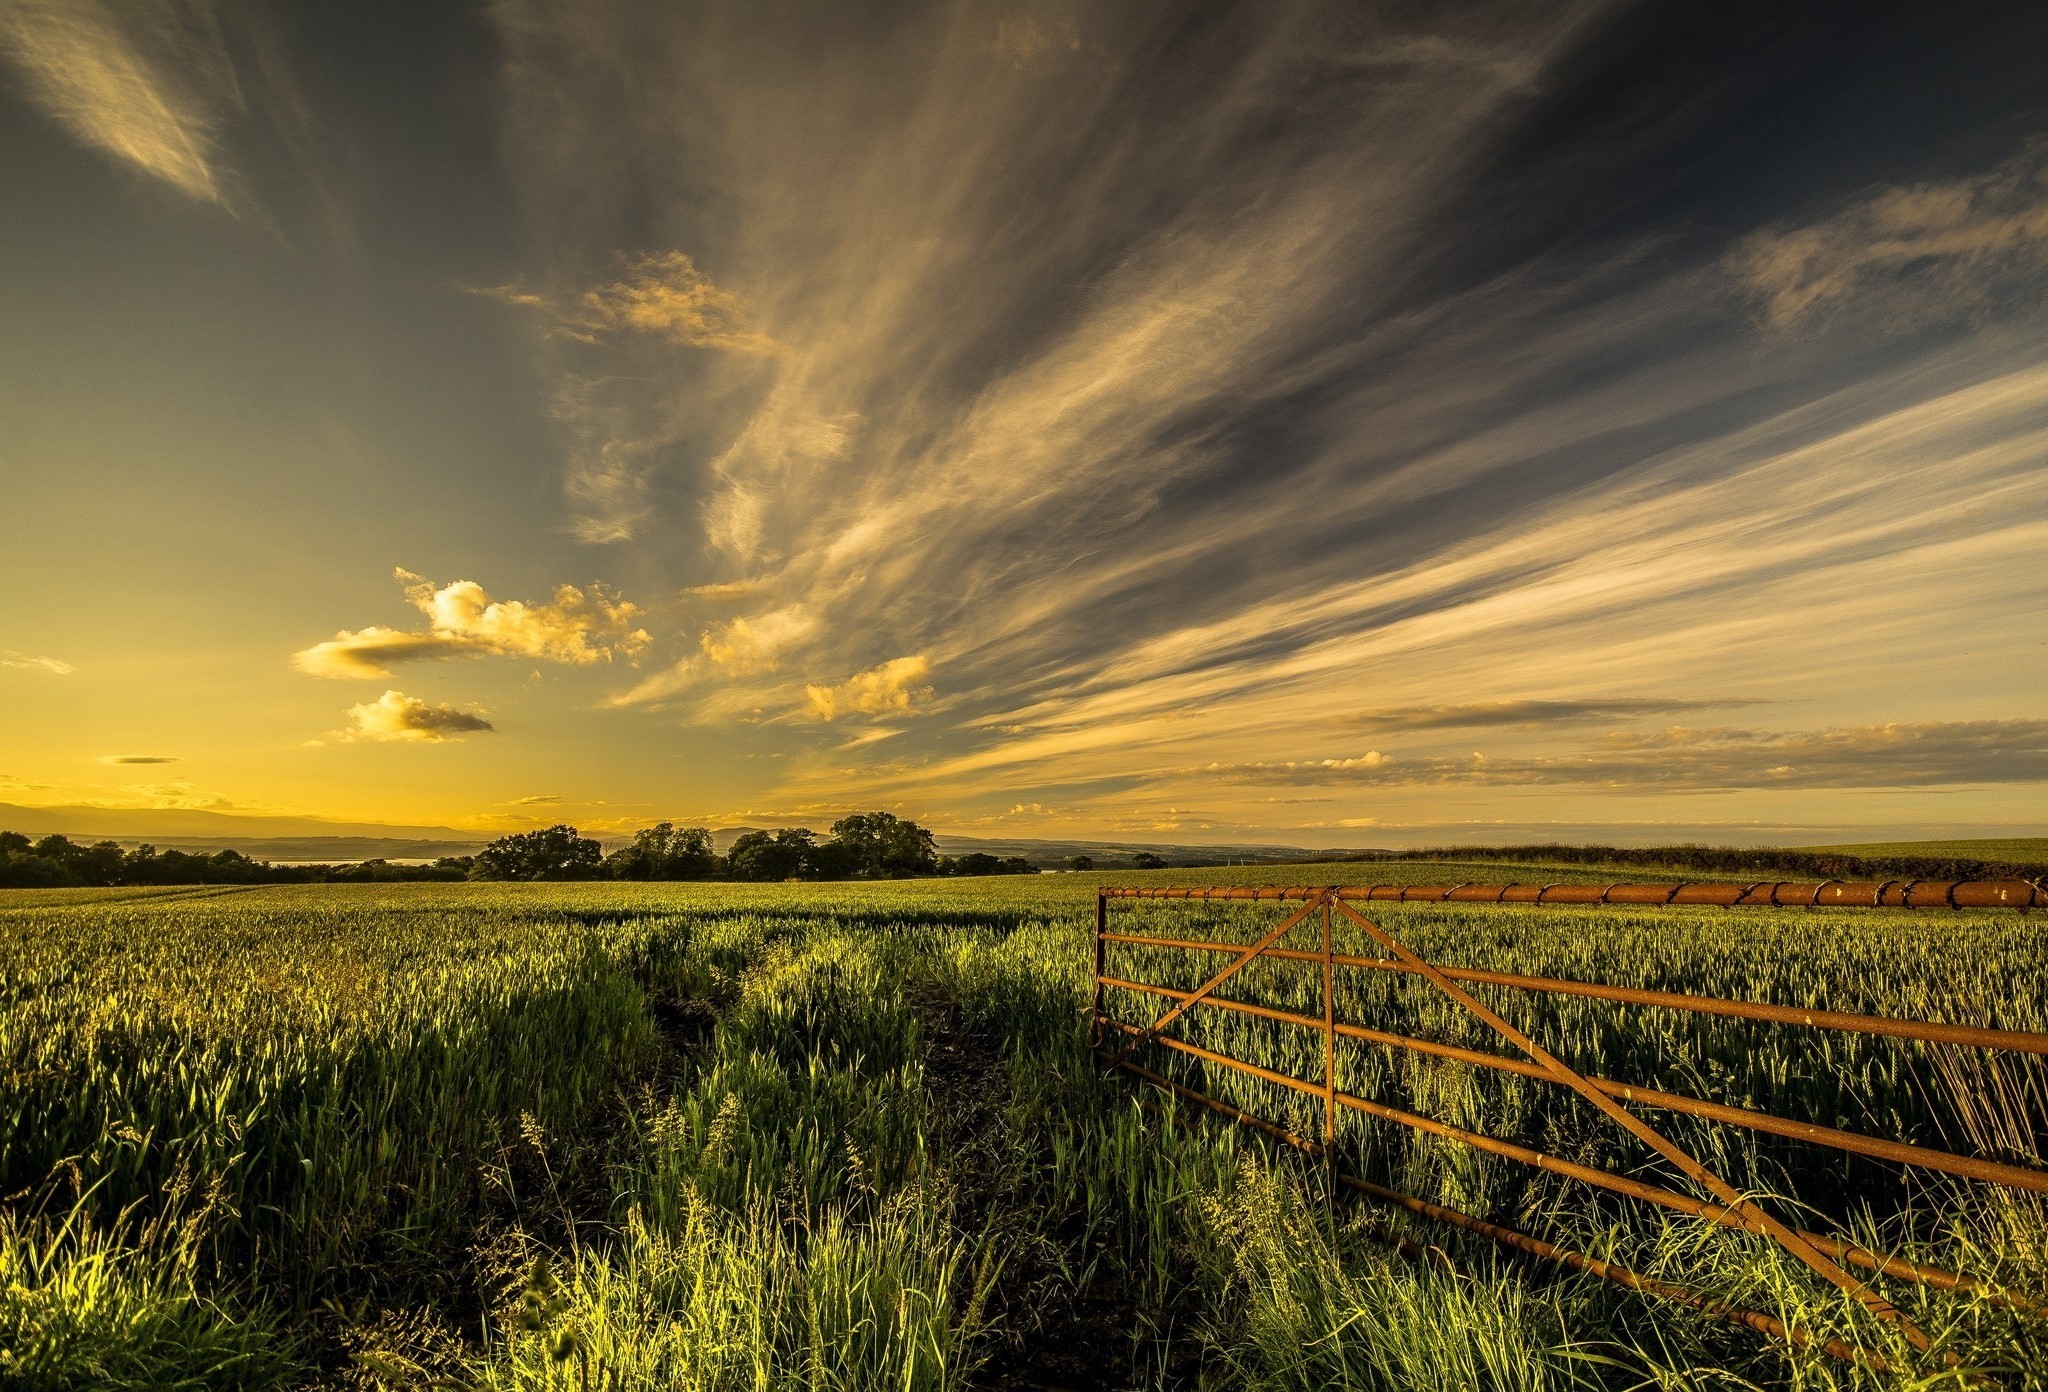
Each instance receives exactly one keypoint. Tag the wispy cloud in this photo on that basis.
(660, 294)
(1232, 423)
(575, 627)
(1928, 253)
(56, 667)
(619, 345)
(1926, 754)
(141, 759)
(146, 81)
(396, 717)
(1526, 715)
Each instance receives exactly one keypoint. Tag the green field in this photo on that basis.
(2021, 850)
(851, 1136)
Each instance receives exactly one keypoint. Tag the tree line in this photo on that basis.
(866, 845)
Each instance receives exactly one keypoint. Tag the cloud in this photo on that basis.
(174, 796)
(660, 294)
(896, 687)
(146, 81)
(725, 590)
(1181, 421)
(141, 759)
(742, 646)
(1528, 715)
(54, 666)
(1896, 755)
(613, 364)
(1928, 253)
(397, 717)
(574, 628)
(536, 800)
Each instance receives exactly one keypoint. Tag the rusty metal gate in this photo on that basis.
(1831, 1257)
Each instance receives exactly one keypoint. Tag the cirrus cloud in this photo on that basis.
(145, 81)
(1931, 252)
(1894, 755)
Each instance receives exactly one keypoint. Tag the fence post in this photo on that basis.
(1329, 1059)
(1101, 927)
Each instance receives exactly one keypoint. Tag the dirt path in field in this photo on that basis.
(1051, 1341)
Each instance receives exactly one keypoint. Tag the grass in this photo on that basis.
(2023, 850)
(850, 1136)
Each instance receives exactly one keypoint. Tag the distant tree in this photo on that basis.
(789, 854)
(1145, 860)
(982, 863)
(552, 853)
(1080, 862)
(661, 852)
(881, 845)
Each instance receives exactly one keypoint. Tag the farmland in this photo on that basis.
(852, 1136)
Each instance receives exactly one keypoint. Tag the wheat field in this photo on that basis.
(852, 1136)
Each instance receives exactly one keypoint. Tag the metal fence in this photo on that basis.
(1829, 1256)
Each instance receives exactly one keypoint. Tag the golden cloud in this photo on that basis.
(896, 687)
(574, 628)
(397, 717)
(84, 65)
(54, 666)
(658, 294)
(741, 647)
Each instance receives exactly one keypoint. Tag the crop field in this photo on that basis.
(829, 1136)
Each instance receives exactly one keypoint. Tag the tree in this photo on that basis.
(1145, 860)
(1080, 862)
(661, 852)
(552, 853)
(789, 854)
(881, 845)
(982, 863)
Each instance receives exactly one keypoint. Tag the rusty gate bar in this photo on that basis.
(1329, 1059)
(1779, 894)
(1246, 954)
(1833, 1271)
(1927, 1031)
(1901, 1152)
(1767, 1325)
(1721, 1216)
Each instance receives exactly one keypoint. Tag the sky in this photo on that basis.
(1332, 424)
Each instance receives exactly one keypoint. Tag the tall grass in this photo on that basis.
(851, 1136)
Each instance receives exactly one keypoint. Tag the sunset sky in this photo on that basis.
(1332, 424)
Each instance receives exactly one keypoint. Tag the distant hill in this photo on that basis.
(190, 829)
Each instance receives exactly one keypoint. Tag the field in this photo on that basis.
(852, 1136)
(2024, 850)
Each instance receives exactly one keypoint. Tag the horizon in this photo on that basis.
(1323, 428)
